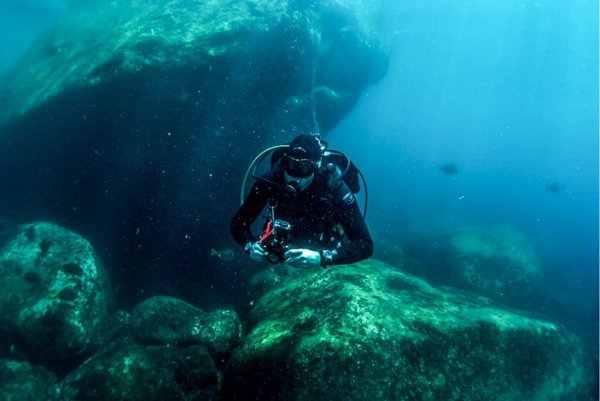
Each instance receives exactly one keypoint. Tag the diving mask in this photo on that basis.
(300, 168)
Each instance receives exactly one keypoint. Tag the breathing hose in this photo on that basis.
(253, 166)
(259, 158)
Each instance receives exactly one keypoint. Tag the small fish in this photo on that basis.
(554, 187)
(225, 254)
(449, 169)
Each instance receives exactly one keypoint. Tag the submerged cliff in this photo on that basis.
(133, 121)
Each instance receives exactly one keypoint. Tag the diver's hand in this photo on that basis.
(302, 258)
(256, 251)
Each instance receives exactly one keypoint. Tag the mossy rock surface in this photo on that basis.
(127, 371)
(53, 291)
(20, 381)
(166, 320)
(171, 321)
(369, 332)
(499, 262)
(97, 44)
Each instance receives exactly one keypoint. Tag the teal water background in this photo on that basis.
(508, 92)
(505, 90)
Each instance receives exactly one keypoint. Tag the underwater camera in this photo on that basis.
(276, 244)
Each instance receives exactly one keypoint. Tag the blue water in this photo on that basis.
(506, 91)
(19, 27)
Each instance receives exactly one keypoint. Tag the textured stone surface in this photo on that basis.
(221, 332)
(20, 381)
(126, 37)
(495, 261)
(53, 291)
(170, 321)
(368, 332)
(166, 320)
(128, 371)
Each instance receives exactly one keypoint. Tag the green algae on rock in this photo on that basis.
(166, 349)
(495, 261)
(20, 381)
(127, 371)
(165, 320)
(129, 37)
(54, 313)
(221, 331)
(366, 332)
(171, 321)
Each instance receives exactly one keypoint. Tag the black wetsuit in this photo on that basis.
(315, 215)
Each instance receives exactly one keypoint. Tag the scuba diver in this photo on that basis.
(313, 217)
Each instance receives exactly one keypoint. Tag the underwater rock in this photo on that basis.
(268, 279)
(170, 321)
(308, 44)
(495, 261)
(144, 114)
(221, 331)
(127, 371)
(54, 313)
(368, 332)
(114, 328)
(166, 320)
(20, 381)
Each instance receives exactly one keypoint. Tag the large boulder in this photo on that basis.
(168, 349)
(498, 262)
(170, 321)
(54, 294)
(307, 55)
(20, 381)
(133, 121)
(127, 371)
(369, 332)
(166, 320)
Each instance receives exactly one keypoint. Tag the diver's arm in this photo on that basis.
(248, 213)
(360, 244)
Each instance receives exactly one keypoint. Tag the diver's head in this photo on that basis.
(300, 161)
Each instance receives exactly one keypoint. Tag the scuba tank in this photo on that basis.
(332, 160)
(337, 165)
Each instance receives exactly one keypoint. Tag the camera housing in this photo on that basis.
(276, 244)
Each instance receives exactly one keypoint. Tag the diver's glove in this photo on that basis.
(302, 258)
(256, 251)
